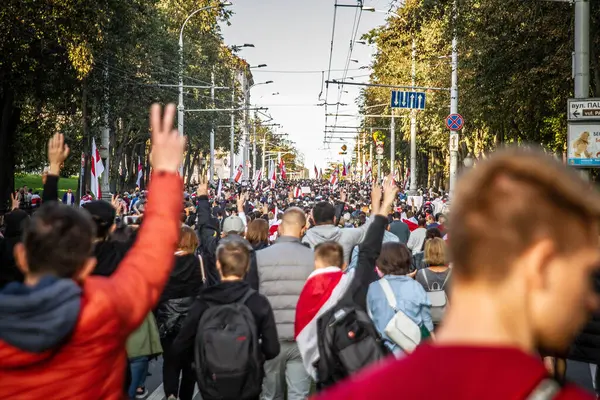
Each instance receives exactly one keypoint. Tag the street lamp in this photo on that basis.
(246, 142)
(468, 161)
(239, 47)
(259, 66)
(180, 107)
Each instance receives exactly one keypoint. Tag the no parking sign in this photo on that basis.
(455, 122)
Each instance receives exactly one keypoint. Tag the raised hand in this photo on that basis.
(376, 195)
(14, 202)
(343, 196)
(58, 152)
(390, 190)
(167, 144)
(203, 186)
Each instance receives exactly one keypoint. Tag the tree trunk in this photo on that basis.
(9, 119)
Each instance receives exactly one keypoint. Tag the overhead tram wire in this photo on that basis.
(330, 60)
(353, 34)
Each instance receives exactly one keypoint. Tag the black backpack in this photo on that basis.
(226, 352)
(348, 341)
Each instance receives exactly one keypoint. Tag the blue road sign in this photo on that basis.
(410, 100)
(455, 122)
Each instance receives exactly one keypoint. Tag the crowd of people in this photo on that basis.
(348, 291)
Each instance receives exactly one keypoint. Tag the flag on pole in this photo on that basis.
(297, 192)
(219, 188)
(272, 174)
(345, 168)
(238, 174)
(333, 180)
(320, 173)
(407, 180)
(140, 172)
(368, 171)
(257, 178)
(316, 172)
(282, 169)
(97, 169)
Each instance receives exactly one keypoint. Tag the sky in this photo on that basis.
(291, 35)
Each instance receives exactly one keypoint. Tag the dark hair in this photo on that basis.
(58, 239)
(397, 215)
(323, 213)
(234, 258)
(332, 253)
(258, 232)
(421, 221)
(394, 259)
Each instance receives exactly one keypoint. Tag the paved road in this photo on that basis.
(154, 382)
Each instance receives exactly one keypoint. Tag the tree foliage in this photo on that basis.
(67, 63)
(514, 75)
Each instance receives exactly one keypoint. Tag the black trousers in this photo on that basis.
(172, 367)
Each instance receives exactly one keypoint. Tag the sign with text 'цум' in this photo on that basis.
(411, 100)
(583, 109)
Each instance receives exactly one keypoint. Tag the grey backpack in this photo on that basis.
(437, 297)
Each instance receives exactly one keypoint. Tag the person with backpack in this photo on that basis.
(229, 332)
(61, 329)
(396, 303)
(435, 278)
(518, 288)
(335, 335)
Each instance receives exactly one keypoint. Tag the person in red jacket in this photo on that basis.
(63, 332)
(522, 287)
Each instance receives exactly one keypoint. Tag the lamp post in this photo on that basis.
(180, 107)
(246, 142)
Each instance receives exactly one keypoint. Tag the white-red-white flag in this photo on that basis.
(345, 168)
(140, 172)
(219, 188)
(316, 172)
(333, 180)
(282, 169)
(272, 174)
(238, 175)
(297, 192)
(97, 170)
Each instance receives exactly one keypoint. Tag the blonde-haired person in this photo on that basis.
(437, 273)
(183, 286)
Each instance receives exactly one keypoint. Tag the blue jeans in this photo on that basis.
(139, 371)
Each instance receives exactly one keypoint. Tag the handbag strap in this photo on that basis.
(389, 293)
(202, 268)
(547, 389)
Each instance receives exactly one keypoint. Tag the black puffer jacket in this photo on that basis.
(586, 346)
(183, 286)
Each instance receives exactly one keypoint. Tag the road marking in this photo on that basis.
(159, 393)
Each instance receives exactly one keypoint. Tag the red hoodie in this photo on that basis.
(452, 373)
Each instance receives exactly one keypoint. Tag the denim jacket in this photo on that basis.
(411, 299)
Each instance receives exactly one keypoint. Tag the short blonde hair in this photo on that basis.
(435, 252)
(188, 240)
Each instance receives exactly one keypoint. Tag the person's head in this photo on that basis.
(58, 241)
(397, 216)
(188, 240)
(429, 219)
(440, 218)
(539, 260)
(233, 225)
(410, 214)
(233, 259)
(329, 254)
(323, 213)
(69, 191)
(293, 223)
(435, 252)
(422, 222)
(258, 232)
(395, 259)
(103, 214)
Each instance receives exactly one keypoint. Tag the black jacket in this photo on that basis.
(365, 273)
(586, 347)
(109, 254)
(208, 232)
(226, 293)
(184, 284)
